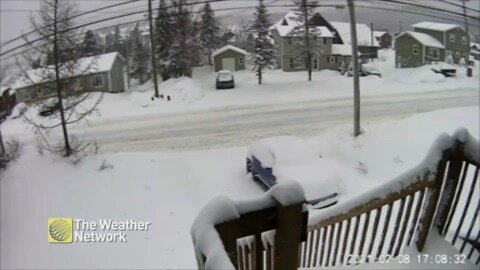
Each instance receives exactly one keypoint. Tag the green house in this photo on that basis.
(453, 37)
(414, 49)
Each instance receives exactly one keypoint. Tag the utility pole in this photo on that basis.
(152, 48)
(127, 47)
(469, 71)
(356, 79)
(371, 40)
(68, 149)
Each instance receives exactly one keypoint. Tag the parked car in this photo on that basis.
(49, 109)
(225, 79)
(284, 158)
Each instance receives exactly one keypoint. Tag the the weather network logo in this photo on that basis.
(60, 230)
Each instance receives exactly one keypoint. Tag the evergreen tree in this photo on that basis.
(196, 45)
(110, 43)
(305, 10)
(181, 50)
(91, 45)
(118, 45)
(208, 31)
(138, 59)
(264, 55)
(163, 35)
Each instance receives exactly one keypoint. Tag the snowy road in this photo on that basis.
(241, 125)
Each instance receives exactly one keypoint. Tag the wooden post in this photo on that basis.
(455, 158)
(426, 221)
(288, 236)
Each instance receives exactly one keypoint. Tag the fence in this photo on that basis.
(436, 195)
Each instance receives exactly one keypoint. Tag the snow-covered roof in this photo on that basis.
(435, 26)
(229, 47)
(86, 65)
(425, 39)
(342, 49)
(288, 23)
(364, 34)
(378, 34)
(475, 44)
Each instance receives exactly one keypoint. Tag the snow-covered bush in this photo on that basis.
(19, 110)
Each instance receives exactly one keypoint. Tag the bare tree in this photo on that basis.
(60, 85)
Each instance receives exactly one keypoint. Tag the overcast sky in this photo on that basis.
(15, 13)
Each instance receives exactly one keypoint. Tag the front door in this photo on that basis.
(315, 63)
(228, 64)
(449, 56)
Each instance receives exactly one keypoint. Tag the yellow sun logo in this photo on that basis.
(60, 230)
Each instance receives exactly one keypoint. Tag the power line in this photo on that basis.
(431, 8)
(224, 9)
(73, 17)
(98, 21)
(457, 5)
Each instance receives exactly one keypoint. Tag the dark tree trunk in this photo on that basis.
(259, 75)
(68, 149)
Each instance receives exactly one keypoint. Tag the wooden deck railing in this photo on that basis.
(436, 194)
(379, 228)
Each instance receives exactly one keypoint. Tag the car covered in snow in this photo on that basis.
(225, 79)
(276, 159)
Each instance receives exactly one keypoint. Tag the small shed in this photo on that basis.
(229, 58)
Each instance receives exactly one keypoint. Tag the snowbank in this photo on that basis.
(429, 164)
(181, 89)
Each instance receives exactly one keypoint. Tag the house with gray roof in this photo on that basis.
(100, 73)
(430, 42)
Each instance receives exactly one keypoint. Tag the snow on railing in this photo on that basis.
(216, 251)
(387, 218)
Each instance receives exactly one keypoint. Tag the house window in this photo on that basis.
(292, 62)
(241, 60)
(434, 53)
(332, 59)
(404, 62)
(415, 49)
(289, 40)
(457, 54)
(76, 85)
(399, 59)
(452, 37)
(465, 55)
(464, 40)
(321, 41)
(98, 81)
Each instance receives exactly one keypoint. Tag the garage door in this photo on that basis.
(228, 64)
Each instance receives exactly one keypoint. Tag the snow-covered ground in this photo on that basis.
(169, 189)
(195, 95)
(200, 117)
